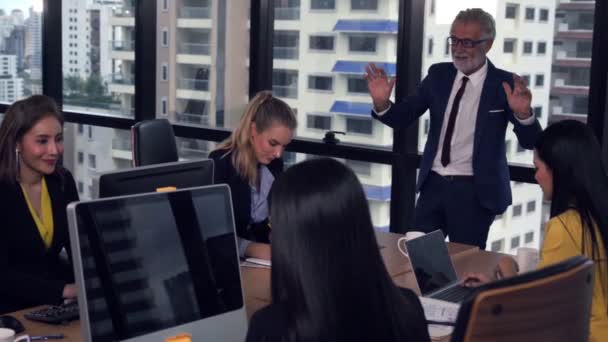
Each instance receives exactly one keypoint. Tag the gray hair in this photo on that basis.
(477, 15)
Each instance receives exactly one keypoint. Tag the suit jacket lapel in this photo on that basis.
(487, 94)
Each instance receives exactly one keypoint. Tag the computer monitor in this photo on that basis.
(155, 265)
(182, 174)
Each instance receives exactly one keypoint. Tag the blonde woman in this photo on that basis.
(249, 161)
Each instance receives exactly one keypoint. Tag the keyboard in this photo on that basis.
(454, 294)
(55, 314)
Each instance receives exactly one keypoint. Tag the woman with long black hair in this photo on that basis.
(572, 176)
(329, 282)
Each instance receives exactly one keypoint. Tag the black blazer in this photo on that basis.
(31, 274)
(225, 173)
(270, 323)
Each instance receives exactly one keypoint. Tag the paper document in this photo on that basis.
(439, 311)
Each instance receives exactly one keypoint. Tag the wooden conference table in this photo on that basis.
(256, 281)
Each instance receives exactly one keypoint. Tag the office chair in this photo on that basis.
(549, 304)
(153, 142)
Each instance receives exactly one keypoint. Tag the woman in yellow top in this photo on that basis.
(572, 177)
(34, 193)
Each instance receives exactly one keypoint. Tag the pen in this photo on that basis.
(47, 337)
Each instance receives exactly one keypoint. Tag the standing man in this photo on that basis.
(464, 177)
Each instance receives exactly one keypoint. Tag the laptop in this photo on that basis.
(433, 268)
(155, 265)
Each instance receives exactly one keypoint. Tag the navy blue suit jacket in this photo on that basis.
(491, 172)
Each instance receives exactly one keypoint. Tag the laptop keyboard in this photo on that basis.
(55, 314)
(455, 294)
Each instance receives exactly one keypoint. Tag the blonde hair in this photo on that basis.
(265, 111)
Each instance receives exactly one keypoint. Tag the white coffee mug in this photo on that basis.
(527, 259)
(8, 335)
(408, 236)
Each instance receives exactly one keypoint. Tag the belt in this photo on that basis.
(451, 178)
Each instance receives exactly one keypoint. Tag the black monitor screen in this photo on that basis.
(157, 260)
(183, 174)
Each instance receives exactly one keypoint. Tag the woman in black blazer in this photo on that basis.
(34, 193)
(328, 280)
(249, 161)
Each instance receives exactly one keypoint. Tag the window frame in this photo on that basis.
(403, 156)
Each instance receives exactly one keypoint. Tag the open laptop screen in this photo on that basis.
(431, 262)
(154, 261)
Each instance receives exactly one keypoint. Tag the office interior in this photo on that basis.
(113, 63)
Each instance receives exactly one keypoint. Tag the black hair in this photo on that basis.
(326, 264)
(573, 155)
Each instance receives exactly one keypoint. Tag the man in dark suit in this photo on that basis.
(464, 177)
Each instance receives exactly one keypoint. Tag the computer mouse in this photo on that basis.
(11, 322)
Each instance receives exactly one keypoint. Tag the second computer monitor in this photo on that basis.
(182, 174)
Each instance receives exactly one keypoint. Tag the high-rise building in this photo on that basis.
(572, 60)
(11, 86)
(33, 50)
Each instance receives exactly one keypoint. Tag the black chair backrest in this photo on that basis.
(153, 142)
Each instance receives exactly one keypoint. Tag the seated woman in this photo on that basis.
(571, 175)
(329, 282)
(249, 161)
(34, 193)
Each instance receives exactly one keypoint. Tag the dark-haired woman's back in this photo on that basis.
(271, 324)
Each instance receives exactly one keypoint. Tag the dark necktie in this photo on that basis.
(447, 140)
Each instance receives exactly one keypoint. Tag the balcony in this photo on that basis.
(118, 78)
(191, 12)
(285, 91)
(287, 13)
(195, 49)
(120, 144)
(560, 88)
(193, 84)
(122, 45)
(124, 11)
(195, 119)
(280, 52)
(574, 60)
(565, 5)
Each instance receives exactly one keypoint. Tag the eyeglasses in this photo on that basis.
(466, 43)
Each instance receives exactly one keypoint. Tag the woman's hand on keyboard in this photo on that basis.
(475, 279)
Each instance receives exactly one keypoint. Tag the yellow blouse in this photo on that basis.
(44, 223)
(563, 239)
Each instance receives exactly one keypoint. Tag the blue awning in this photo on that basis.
(376, 26)
(352, 108)
(352, 67)
(377, 193)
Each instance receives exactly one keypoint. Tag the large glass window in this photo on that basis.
(207, 78)
(99, 57)
(338, 38)
(556, 70)
(20, 49)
